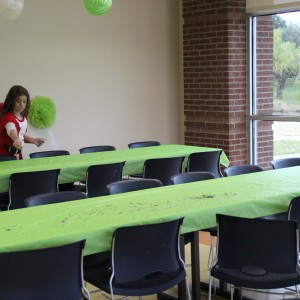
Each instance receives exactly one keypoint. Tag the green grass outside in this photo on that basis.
(286, 147)
(290, 104)
(290, 96)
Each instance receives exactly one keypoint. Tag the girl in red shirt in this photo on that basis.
(13, 124)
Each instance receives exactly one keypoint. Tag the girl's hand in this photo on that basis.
(18, 144)
(39, 141)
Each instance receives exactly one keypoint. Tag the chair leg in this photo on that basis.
(231, 291)
(211, 257)
(86, 293)
(111, 291)
(211, 254)
(188, 288)
(209, 286)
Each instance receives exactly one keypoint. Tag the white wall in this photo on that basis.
(114, 78)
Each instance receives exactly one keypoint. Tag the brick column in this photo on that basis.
(214, 67)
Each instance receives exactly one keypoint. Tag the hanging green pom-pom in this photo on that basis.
(97, 7)
(42, 112)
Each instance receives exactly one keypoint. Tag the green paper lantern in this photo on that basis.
(97, 7)
(42, 112)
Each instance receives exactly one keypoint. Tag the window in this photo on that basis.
(274, 110)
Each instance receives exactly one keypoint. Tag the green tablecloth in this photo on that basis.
(73, 167)
(95, 219)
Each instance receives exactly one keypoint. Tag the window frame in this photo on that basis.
(252, 116)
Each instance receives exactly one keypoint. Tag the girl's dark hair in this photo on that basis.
(14, 93)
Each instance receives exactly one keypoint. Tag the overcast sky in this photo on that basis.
(291, 17)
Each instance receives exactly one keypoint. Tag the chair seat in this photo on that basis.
(155, 283)
(240, 279)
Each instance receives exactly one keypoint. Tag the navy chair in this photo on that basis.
(4, 197)
(141, 145)
(242, 169)
(99, 176)
(205, 161)
(53, 153)
(51, 273)
(92, 149)
(191, 177)
(256, 253)
(145, 261)
(163, 168)
(56, 197)
(27, 184)
(50, 153)
(285, 162)
(132, 185)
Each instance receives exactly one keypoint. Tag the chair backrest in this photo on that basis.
(163, 168)
(99, 176)
(143, 144)
(7, 157)
(96, 149)
(49, 153)
(294, 210)
(285, 162)
(132, 185)
(265, 245)
(242, 169)
(149, 255)
(191, 177)
(56, 197)
(208, 161)
(26, 184)
(51, 273)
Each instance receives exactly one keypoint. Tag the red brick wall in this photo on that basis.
(214, 66)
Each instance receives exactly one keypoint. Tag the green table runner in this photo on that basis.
(73, 167)
(95, 219)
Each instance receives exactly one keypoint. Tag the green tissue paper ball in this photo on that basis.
(42, 112)
(97, 7)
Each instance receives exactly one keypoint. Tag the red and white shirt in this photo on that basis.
(9, 122)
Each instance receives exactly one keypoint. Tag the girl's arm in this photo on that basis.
(37, 141)
(17, 142)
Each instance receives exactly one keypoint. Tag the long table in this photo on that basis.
(73, 167)
(95, 219)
